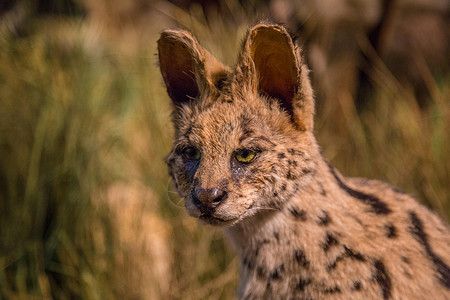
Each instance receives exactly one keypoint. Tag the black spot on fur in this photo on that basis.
(306, 171)
(298, 214)
(334, 264)
(354, 254)
(260, 272)
(290, 176)
(417, 230)
(295, 152)
(292, 163)
(300, 258)
(356, 286)
(347, 254)
(406, 260)
(257, 250)
(273, 169)
(276, 234)
(281, 155)
(324, 219)
(329, 241)
(390, 231)
(322, 190)
(332, 290)
(283, 187)
(303, 283)
(381, 276)
(277, 273)
(378, 207)
(259, 244)
(248, 263)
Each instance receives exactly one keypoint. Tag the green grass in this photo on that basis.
(81, 125)
(60, 121)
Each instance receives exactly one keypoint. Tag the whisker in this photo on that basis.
(265, 208)
(180, 202)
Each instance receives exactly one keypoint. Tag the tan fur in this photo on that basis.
(301, 229)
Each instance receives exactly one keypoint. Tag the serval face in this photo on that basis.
(235, 130)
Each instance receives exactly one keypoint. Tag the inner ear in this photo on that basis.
(274, 57)
(177, 62)
(188, 69)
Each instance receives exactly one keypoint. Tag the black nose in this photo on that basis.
(208, 199)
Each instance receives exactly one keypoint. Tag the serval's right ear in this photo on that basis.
(188, 69)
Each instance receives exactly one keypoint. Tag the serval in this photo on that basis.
(245, 158)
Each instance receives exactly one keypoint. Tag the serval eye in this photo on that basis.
(191, 153)
(245, 156)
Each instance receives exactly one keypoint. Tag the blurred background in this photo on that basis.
(87, 210)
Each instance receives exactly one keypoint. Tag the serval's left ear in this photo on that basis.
(272, 66)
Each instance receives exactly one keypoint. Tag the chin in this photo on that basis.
(216, 221)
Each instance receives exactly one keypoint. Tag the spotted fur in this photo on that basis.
(245, 158)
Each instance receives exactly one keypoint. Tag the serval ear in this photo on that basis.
(188, 69)
(271, 65)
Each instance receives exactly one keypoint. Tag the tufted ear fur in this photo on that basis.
(271, 65)
(188, 69)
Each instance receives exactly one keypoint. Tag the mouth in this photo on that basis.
(208, 218)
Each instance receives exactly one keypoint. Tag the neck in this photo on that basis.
(307, 205)
(244, 234)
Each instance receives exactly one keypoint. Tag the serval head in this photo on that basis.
(244, 135)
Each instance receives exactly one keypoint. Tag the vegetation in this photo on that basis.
(87, 210)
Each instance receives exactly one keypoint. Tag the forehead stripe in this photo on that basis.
(258, 138)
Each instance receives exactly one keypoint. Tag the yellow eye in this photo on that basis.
(191, 153)
(245, 156)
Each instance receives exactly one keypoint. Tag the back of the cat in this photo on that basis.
(245, 158)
